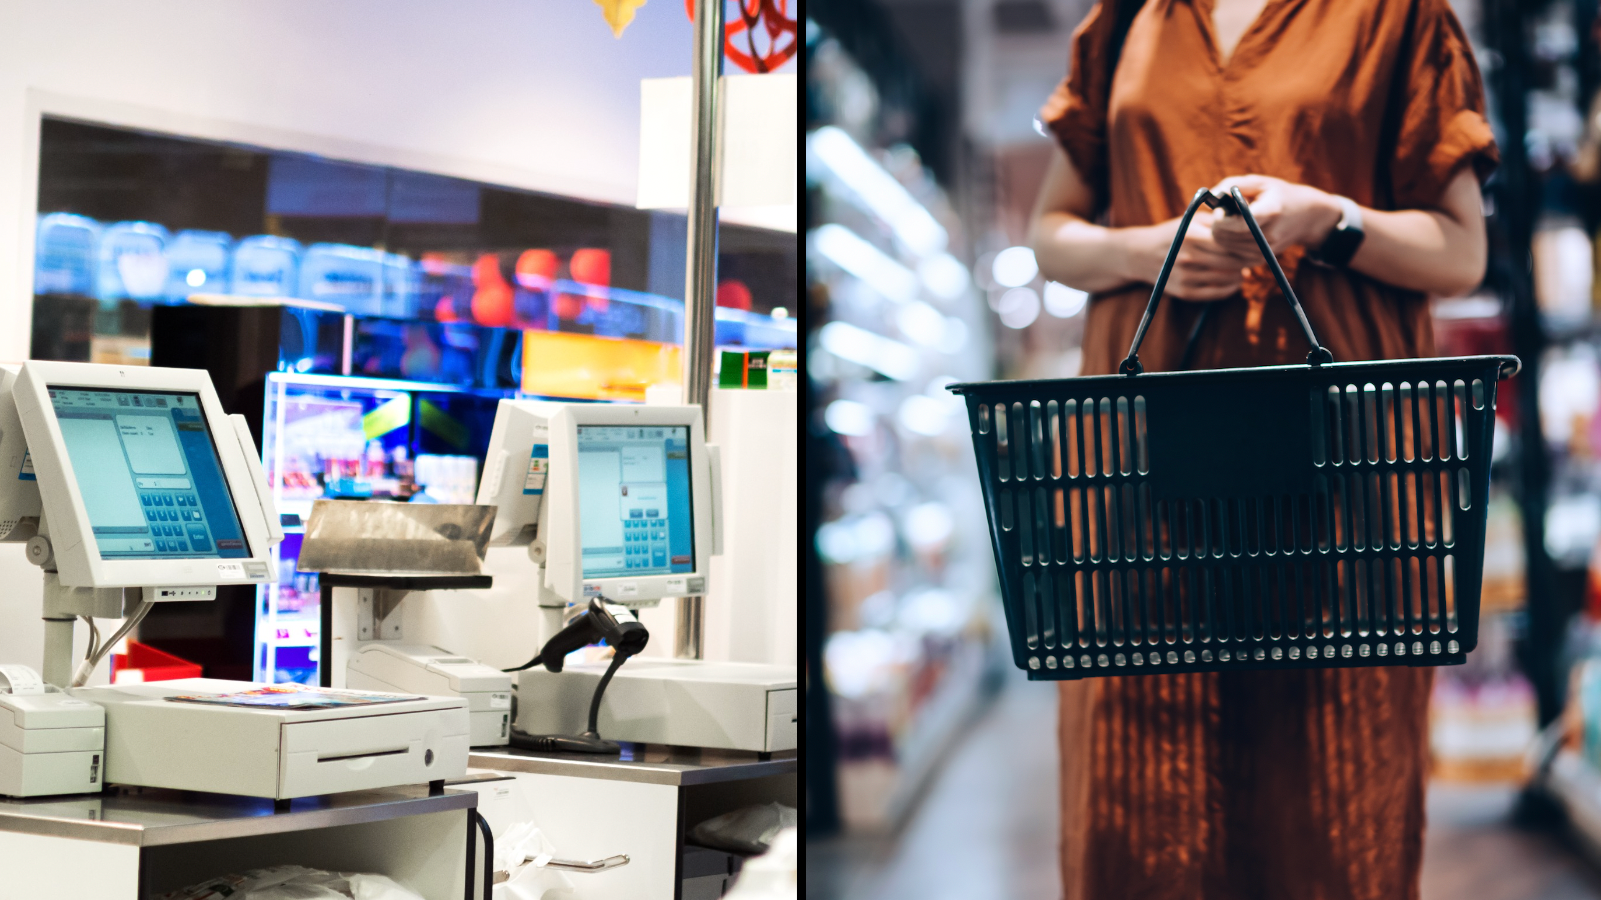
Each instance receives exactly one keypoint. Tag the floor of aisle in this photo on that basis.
(985, 829)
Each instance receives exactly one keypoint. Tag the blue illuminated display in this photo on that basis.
(149, 474)
(635, 509)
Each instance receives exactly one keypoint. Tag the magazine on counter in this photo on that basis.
(294, 696)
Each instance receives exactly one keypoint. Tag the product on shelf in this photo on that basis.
(1504, 582)
(264, 265)
(1564, 268)
(347, 276)
(131, 262)
(1483, 715)
(197, 262)
(64, 254)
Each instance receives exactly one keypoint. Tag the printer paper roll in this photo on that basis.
(22, 679)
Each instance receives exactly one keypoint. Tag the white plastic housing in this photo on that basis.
(506, 476)
(77, 556)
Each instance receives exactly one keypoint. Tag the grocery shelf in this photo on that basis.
(1577, 785)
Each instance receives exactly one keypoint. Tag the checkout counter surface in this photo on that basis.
(648, 763)
(149, 817)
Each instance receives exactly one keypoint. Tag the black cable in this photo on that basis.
(618, 658)
(538, 658)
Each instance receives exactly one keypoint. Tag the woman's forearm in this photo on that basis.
(1422, 250)
(1084, 255)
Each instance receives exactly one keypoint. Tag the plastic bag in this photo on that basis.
(775, 875)
(521, 852)
(747, 830)
(293, 883)
(377, 887)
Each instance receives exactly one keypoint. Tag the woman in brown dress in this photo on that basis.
(1357, 117)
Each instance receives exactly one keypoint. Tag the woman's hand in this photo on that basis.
(1204, 270)
(1288, 214)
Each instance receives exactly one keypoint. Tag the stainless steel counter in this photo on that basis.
(652, 764)
(149, 817)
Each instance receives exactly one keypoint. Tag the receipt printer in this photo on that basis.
(421, 669)
(50, 743)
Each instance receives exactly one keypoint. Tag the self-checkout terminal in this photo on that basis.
(620, 504)
(138, 489)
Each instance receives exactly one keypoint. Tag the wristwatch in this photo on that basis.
(1338, 248)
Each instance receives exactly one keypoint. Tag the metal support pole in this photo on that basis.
(700, 288)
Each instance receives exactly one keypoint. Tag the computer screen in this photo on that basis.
(634, 502)
(149, 474)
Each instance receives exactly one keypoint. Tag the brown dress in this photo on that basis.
(1305, 784)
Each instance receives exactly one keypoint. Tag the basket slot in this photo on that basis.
(1428, 508)
(1003, 447)
(1387, 420)
(1017, 430)
(1036, 438)
(1428, 441)
(1449, 587)
(1147, 523)
(1141, 436)
(1353, 424)
(1322, 514)
(1344, 601)
(1112, 526)
(1070, 442)
(1415, 593)
(1406, 425)
(1432, 593)
(1337, 506)
(1370, 419)
(1031, 628)
(1364, 599)
(1460, 405)
(1025, 531)
(1478, 393)
(1102, 612)
(1124, 441)
(1120, 594)
(1133, 525)
(1053, 438)
(1446, 430)
(1375, 505)
(1047, 610)
(1447, 535)
(1336, 426)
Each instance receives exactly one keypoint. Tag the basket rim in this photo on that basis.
(1507, 366)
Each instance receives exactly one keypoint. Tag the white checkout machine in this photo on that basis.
(618, 504)
(132, 487)
(621, 503)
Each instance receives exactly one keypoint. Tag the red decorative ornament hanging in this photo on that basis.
(772, 18)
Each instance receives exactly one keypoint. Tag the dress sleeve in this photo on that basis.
(1076, 111)
(1441, 126)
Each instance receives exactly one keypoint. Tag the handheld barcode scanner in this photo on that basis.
(625, 636)
(597, 623)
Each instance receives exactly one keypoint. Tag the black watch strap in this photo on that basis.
(1343, 241)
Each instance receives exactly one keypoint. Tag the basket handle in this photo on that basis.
(1235, 204)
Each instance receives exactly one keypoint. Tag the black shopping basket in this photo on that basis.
(1318, 515)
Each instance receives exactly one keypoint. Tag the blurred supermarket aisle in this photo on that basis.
(1472, 850)
(987, 827)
